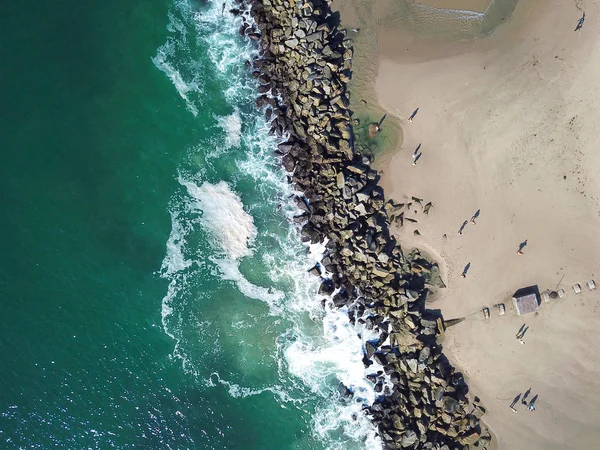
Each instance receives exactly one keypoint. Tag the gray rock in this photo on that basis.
(408, 439)
(450, 404)
(360, 209)
(424, 355)
(412, 365)
(292, 43)
(379, 272)
(383, 258)
(380, 358)
(370, 349)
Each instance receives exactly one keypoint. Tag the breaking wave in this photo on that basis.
(232, 246)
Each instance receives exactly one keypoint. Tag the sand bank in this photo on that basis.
(508, 125)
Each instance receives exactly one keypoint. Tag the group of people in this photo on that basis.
(530, 406)
(521, 334)
(416, 154)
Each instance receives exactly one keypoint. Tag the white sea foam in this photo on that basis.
(232, 125)
(315, 355)
(237, 391)
(223, 216)
(230, 271)
(162, 62)
(175, 260)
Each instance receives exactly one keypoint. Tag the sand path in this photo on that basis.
(510, 125)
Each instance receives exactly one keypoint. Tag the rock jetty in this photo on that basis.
(303, 71)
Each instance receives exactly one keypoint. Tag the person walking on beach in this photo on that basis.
(475, 216)
(465, 270)
(521, 247)
(580, 23)
(514, 402)
(416, 152)
(531, 406)
(462, 227)
(521, 334)
(412, 116)
(525, 395)
(416, 158)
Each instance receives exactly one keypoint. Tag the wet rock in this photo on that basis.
(370, 349)
(326, 288)
(380, 358)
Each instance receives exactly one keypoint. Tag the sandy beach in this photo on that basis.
(508, 125)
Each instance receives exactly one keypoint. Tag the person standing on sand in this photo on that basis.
(412, 116)
(580, 23)
(475, 216)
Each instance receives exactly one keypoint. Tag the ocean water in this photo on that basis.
(154, 294)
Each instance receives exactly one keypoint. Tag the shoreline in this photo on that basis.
(304, 73)
(507, 128)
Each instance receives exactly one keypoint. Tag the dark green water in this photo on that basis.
(105, 341)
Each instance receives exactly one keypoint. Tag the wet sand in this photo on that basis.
(469, 5)
(508, 125)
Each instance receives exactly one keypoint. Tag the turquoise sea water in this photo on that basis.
(153, 293)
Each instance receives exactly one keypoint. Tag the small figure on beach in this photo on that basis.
(521, 333)
(475, 216)
(462, 227)
(416, 158)
(525, 395)
(373, 129)
(514, 402)
(531, 406)
(465, 270)
(580, 23)
(412, 116)
(522, 245)
(416, 151)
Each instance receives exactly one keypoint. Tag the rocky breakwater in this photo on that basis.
(304, 69)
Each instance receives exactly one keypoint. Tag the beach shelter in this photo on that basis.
(526, 300)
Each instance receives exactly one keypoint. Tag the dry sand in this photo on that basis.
(509, 124)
